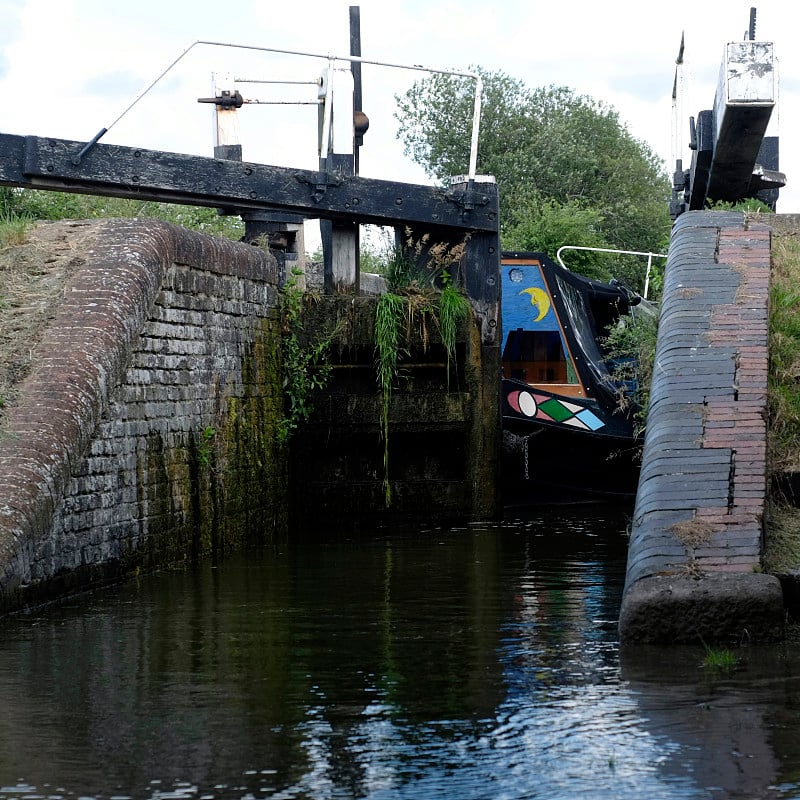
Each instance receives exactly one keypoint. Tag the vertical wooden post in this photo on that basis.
(358, 115)
(336, 152)
(480, 276)
(355, 66)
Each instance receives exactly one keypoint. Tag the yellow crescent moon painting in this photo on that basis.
(539, 299)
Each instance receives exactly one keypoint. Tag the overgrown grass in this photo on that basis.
(782, 540)
(421, 287)
(782, 524)
(784, 355)
(719, 660)
(453, 310)
(21, 207)
(389, 315)
(13, 229)
(751, 204)
(630, 350)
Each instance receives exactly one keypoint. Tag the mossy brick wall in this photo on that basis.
(145, 434)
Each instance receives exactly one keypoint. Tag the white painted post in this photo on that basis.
(337, 137)
(227, 143)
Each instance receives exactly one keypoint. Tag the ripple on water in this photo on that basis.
(464, 664)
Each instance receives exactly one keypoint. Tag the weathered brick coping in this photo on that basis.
(83, 354)
(695, 549)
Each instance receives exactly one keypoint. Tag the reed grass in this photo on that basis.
(784, 355)
(389, 315)
(720, 660)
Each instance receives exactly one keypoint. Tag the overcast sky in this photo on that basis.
(70, 68)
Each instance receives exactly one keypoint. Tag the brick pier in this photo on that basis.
(695, 552)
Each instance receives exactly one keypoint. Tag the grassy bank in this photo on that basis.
(782, 545)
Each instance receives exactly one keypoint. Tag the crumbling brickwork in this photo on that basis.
(144, 434)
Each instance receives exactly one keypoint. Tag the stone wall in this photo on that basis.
(145, 433)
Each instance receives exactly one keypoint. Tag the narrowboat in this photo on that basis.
(568, 427)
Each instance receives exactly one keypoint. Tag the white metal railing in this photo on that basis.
(650, 257)
(476, 112)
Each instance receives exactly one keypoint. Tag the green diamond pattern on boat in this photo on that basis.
(555, 410)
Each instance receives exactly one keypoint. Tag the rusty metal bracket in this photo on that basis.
(226, 100)
(466, 195)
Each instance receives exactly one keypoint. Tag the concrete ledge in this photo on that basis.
(728, 607)
(372, 284)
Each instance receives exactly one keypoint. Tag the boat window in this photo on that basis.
(537, 357)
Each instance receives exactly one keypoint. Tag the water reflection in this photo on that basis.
(737, 730)
(471, 663)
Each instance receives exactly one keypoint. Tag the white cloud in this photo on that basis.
(76, 66)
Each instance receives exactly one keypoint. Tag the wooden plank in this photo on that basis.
(343, 257)
(37, 162)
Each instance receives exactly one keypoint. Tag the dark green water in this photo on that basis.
(469, 663)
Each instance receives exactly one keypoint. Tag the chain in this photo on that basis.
(525, 456)
(525, 440)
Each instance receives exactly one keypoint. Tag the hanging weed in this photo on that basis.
(453, 309)
(305, 365)
(421, 286)
(389, 315)
(630, 349)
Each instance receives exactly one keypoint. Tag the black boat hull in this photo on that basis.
(541, 463)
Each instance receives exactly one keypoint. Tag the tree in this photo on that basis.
(554, 154)
(547, 225)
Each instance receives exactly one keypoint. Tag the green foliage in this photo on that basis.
(630, 348)
(719, 660)
(14, 221)
(416, 264)
(9, 201)
(782, 540)
(389, 316)
(207, 435)
(750, 204)
(376, 248)
(13, 229)
(784, 355)
(781, 554)
(453, 309)
(546, 225)
(33, 204)
(402, 271)
(413, 273)
(394, 317)
(305, 364)
(548, 148)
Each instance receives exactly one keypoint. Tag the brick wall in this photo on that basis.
(694, 558)
(145, 433)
